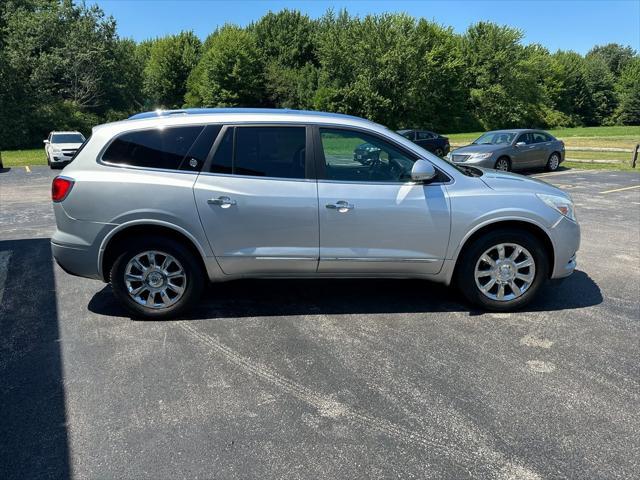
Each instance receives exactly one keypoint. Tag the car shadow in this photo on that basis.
(33, 432)
(265, 298)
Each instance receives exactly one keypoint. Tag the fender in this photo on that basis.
(161, 223)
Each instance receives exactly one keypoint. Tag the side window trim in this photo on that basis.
(320, 161)
(310, 166)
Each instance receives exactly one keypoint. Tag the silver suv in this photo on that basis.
(162, 202)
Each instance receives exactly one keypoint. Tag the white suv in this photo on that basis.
(61, 147)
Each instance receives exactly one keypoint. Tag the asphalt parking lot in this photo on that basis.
(306, 379)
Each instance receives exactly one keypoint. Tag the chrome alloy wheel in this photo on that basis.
(554, 162)
(505, 271)
(502, 165)
(155, 279)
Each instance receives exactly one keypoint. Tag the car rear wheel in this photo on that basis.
(503, 164)
(156, 278)
(439, 152)
(553, 163)
(502, 270)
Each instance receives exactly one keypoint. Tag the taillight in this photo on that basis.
(60, 188)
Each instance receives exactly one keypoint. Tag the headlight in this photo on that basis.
(479, 156)
(57, 150)
(562, 205)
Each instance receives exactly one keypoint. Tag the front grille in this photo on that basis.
(460, 158)
(69, 153)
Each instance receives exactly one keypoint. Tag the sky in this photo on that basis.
(556, 24)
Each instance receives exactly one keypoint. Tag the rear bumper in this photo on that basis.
(76, 260)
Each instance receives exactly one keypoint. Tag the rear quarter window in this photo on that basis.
(164, 148)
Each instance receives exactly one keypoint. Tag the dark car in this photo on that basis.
(431, 141)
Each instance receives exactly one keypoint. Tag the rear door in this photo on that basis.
(542, 150)
(373, 219)
(257, 200)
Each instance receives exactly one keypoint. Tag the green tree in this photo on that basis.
(614, 55)
(628, 89)
(286, 43)
(229, 73)
(170, 62)
(501, 76)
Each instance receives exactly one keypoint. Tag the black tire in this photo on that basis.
(49, 161)
(195, 278)
(552, 165)
(503, 161)
(465, 271)
(439, 152)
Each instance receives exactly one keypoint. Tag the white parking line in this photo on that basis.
(621, 189)
(26, 167)
(4, 266)
(552, 174)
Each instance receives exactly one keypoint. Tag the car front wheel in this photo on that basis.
(157, 279)
(503, 164)
(503, 270)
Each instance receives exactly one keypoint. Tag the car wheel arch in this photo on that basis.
(112, 244)
(520, 224)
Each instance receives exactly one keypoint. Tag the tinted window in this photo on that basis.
(540, 137)
(355, 156)
(200, 148)
(158, 148)
(262, 152)
(526, 138)
(223, 158)
(425, 135)
(67, 138)
(408, 134)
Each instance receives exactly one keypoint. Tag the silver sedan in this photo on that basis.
(512, 150)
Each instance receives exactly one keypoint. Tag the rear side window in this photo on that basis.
(539, 137)
(262, 152)
(164, 148)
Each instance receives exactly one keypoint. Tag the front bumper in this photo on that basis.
(566, 241)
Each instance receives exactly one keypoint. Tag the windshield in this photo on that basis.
(67, 138)
(495, 138)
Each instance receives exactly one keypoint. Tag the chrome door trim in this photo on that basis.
(379, 259)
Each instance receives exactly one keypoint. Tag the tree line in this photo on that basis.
(63, 66)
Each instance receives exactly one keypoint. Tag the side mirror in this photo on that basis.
(422, 171)
(520, 144)
(46, 142)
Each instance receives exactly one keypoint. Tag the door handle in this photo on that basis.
(341, 206)
(224, 202)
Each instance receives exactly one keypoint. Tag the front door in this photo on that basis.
(525, 155)
(257, 200)
(373, 219)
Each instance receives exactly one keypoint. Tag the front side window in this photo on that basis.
(354, 156)
(278, 152)
(164, 147)
(525, 138)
